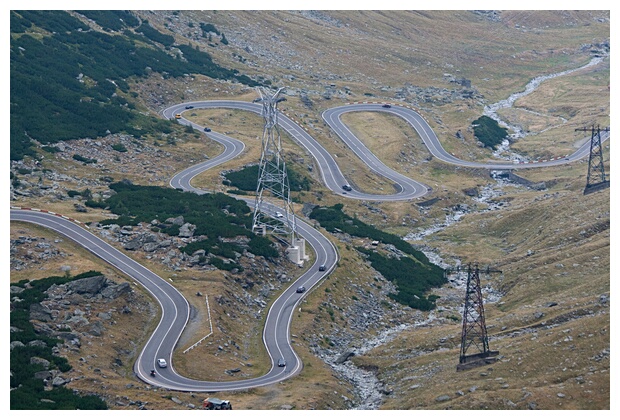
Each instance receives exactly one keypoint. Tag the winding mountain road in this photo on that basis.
(276, 335)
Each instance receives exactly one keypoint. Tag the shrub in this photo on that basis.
(83, 159)
(51, 149)
(412, 279)
(414, 275)
(119, 147)
(246, 179)
(488, 131)
(334, 219)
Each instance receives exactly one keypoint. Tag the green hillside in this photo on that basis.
(69, 81)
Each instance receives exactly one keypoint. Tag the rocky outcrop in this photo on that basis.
(344, 356)
(88, 286)
(187, 230)
(115, 291)
(40, 312)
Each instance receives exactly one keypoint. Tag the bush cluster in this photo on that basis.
(412, 279)
(334, 219)
(80, 158)
(214, 215)
(246, 178)
(488, 131)
(414, 275)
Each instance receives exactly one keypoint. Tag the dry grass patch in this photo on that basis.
(75, 256)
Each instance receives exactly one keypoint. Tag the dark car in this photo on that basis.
(207, 129)
(301, 289)
(386, 106)
(322, 268)
(281, 362)
(189, 107)
(346, 187)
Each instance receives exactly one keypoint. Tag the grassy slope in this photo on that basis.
(546, 350)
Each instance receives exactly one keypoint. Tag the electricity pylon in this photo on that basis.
(273, 183)
(596, 169)
(474, 332)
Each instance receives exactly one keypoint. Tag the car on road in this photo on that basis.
(207, 129)
(301, 289)
(189, 107)
(322, 268)
(346, 187)
(281, 362)
(177, 116)
(279, 215)
(162, 363)
(386, 106)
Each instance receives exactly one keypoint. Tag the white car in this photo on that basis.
(162, 363)
(279, 215)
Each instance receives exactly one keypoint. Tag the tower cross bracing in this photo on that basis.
(272, 188)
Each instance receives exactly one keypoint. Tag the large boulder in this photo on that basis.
(40, 312)
(345, 356)
(87, 286)
(45, 375)
(150, 246)
(132, 245)
(116, 290)
(176, 220)
(16, 290)
(187, 230)
(34, 360)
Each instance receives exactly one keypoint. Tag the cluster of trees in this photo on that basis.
(245, 179)
(488, 131)
(72, 82)
(215, 215)
(414, 275)
(26, 390)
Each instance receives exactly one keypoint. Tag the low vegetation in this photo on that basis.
(488, 131)
(245, 179)
(413, 273)
(412, 279)
(214, 215)
(27, 391)
(81, 90)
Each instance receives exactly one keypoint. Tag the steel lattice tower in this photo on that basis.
(596, 169)
(474, 333)
(273, 183)
(474, 326)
